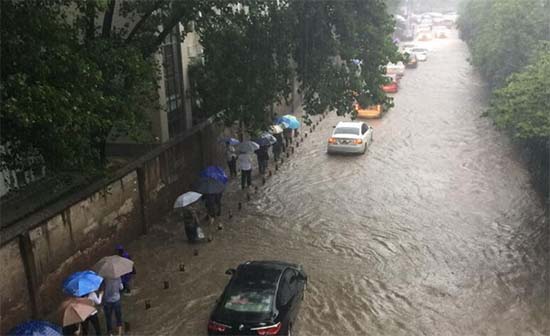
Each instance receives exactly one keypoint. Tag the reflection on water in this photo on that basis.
(435, 231)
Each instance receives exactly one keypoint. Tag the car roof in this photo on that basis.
(349, 124)
(272, 267)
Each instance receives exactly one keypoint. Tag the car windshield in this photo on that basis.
(346, 130)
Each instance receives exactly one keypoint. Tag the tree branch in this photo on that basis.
(90, 20)
(168, 28)
(108, 19)
(142, 20)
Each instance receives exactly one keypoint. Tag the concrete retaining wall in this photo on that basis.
(42, 249)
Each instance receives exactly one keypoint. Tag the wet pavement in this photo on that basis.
(436, 230)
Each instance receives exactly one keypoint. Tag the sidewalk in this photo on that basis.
(170, 270)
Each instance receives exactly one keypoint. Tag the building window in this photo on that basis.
(173, 83)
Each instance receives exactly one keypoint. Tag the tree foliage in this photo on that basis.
(503, 34)
(252, 56)
(522, 106)
(65, 86)
(71, 73)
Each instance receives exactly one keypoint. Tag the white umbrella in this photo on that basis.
(248, 147)
(113, 266)
(275, 129)
(184, 200)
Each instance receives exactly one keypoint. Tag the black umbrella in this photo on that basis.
(207, 185)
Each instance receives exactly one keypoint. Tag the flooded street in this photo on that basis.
(436, 230)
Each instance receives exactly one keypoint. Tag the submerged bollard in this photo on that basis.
(240, 205)
(220, 227)
(263, 180)
(297, 144)
(210, 238)
(276, 167)
(147, 304)
(230, 214)
(255, 188)
(287, 154)
(305, 135)
(182, 267)
(166, 285)
(196, 253)
(270, 173)
(292, 150)
(247, 196)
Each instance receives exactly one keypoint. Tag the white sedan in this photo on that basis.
(420, 53)
(350, 137)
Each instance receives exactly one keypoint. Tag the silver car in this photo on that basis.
(350, 137)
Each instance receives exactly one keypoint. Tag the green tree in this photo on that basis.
(503, 34)
(64, 87)
(522, 106)
(70, 75)
(253, 55)
(246, 65)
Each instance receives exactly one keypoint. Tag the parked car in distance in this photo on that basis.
(397, 69)
(420, 53)
(373, 111)
(425, 36)
(412, 61)
(440, 32)
(350, 137)
(262, 298)
(391, 86)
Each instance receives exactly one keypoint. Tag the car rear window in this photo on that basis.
(346, 130)
(260, 301)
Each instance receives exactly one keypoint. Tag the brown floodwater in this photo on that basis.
(436, 230)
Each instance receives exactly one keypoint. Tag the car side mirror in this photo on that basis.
(230, 271)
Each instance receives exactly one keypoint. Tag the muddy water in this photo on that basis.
(435, 231)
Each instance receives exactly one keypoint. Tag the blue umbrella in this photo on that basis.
(215, 173)
(82, 283)
(231, 141)
(36, 328)
(281, 120)
(207, 185)
(293, 124)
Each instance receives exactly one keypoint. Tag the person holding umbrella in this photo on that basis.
(112, 304)
(187, 202)
(277, 148)
(213, 198)
(84, 285)
(263, 158)
(119, 249)
(245, 161)
(93, 318)
(231, 156)
(112, 268)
